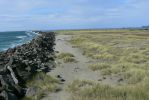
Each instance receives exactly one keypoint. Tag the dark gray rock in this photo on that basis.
(62, 80)
(58, 76)
(4, 95)
(24, 61)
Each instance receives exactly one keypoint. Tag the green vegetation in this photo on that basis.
(85, 90)
(106, 31)
(99, 66)
(66, 57)
(44, 85)
(63, 55)
(122, 53)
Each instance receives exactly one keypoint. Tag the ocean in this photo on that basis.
(12, 39)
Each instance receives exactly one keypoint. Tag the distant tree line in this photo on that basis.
(145, 27)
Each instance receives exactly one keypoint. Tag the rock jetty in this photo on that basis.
(18, 64)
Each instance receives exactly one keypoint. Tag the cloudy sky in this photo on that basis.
(72, 14)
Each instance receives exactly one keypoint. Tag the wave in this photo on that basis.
(28, 34)
(21, 37)
(31, 33)
(13, 45)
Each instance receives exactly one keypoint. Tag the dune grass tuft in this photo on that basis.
(62, 55)
(99, 66)
(66, 57)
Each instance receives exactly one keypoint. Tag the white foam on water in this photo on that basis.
(22, 40)
(21, 37)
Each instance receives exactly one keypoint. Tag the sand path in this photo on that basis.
(72, 71)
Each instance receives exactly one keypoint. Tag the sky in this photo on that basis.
(72, 14)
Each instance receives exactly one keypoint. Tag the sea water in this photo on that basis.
(12, 39)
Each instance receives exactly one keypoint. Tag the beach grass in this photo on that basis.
(66, 57)
(122, 53)
(85, 90)
(63, 55)
(44, 84)
(99, 66)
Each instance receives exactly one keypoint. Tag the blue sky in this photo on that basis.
(72, 14)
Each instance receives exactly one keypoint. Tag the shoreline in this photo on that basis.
(23, 37)
(18, 64)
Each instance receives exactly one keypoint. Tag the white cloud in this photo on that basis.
(33, 14)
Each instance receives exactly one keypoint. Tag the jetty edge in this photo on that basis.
(19, 64)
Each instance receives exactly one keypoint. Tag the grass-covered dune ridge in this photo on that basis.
(119, 53)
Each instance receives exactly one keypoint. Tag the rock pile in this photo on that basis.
(17, 65)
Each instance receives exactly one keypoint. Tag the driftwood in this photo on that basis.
(12, 75)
